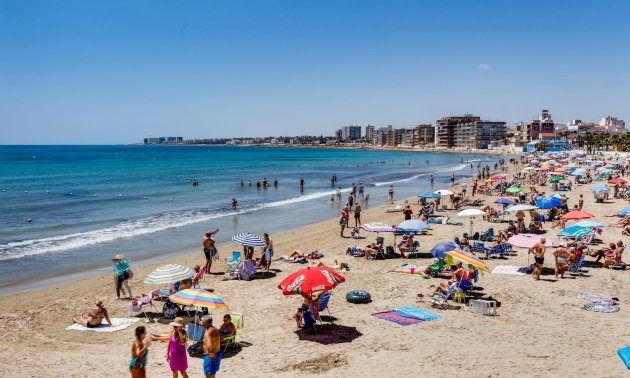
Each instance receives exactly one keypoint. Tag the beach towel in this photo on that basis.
(418, 313)
(117, 325)
(600, 307)
(397, 317)
(510, 270)
(624, 354)
(595, 298)
(409, 269)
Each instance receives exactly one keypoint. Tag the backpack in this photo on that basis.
(170, 310)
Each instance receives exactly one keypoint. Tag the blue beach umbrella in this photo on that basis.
(412, 225)
(548, 202)
(600, 188)
(625, 212)
(439, 250)
(574, 232)
(429, 195)
(578, 172)
(505, 201)
(249, 240)
(589, 224)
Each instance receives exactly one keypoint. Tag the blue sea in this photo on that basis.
(88, 203)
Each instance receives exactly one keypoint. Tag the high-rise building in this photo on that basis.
(543, 127)
(351, 132)
(369, 132)
(468, 131)
(613, 124)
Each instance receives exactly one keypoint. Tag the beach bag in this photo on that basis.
(170, 310)
(390, 251)
(196, 350)
(475, 236)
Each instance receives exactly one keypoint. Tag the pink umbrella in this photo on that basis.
(527, 240)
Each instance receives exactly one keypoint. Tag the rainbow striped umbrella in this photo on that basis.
(198, 297)
(469, 259)
(377, 227)
(169, 274)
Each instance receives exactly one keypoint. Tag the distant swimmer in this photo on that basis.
(265, 183)
(242, 184)
(146, 198)
(258, 184)
(275, 183)
(234, 203)
(431, 178)
(29, 220)
(195, 182)
(250, 183)
(301, 184)
(453, 179)
(120, 195)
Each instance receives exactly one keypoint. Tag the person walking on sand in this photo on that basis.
(357, 215)
(268, 253)
(176, 349)
(211, 348)
(538, 250)
(209, 249)
(139, 351)
(464, 187)
(122, 275)
(390, 193)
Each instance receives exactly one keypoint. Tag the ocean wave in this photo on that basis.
(138, 227)
(411, 178)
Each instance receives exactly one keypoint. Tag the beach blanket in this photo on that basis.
(117, 325)
(595, 298)
(624, 354)
(600, 307)
(409, 269)
(406, 315)
(509, 270)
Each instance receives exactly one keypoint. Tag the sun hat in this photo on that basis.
(177, 322)
(410, 235)
(118, 257)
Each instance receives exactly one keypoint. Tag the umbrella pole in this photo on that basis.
(471, 227)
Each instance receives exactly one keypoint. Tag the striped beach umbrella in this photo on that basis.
(577, 215)
(575, 232)
(168, 274)
(198, 297)
(377, 227)
(468, 259)
(248, 240)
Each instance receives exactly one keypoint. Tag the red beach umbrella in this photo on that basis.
(577, 214)
(310, 280)
(617, 180)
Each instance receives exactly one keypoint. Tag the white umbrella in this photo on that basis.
(444, 192)
(471, 213)
(521, 208)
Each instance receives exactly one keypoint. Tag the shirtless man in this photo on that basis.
(268, 250)
(538, 250)
(357, 215)
(561, 255)
(457, 276)
(211, 348)
(209, 250)
(234, 203)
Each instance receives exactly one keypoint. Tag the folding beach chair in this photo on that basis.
(199, 278)
(138, 305)
(437, 268)
(380, 249)
(478, 247)
(461, 288)
(237, 320)
(413, 252)
(322, 304)
(233, 264)
(575, 269)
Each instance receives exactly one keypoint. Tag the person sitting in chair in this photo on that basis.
(445, 286)
(405, 245)
(227, 328)
(508, 231)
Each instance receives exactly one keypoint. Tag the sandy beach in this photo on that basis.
(540, 328)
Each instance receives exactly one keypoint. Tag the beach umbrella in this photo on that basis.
(497, 178)
(168, 274)
(575, 232)
(471, 213)
(617, 180)
(605, 171)
(557, 178)
(428, 195)
(624, 212)
(444, 192)
(310, 280)
(578, 172)
(248, 240)
(468, 259)
(439, 250)
(560, 170)
(548, 202)
(198, 297)
(600, 188)
(377, 227)
(576, 215)
(505, 201)
(570, 166)
(527, 240)
(514, 189)
(589, 224)
(527, 169)
(412, 225)
(559, 195)
(522, 207)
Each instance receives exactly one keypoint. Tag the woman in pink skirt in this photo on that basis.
(176, 351)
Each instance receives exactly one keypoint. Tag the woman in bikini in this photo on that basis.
(139, 351)
(227, 328)
(95, 317)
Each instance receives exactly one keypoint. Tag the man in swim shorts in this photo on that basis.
(209, 249)
(211, 348)
(268, 253)
(538, 250)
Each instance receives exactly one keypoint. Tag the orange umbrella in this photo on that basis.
(561, 170)
(577, 214)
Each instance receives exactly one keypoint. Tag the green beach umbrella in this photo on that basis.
(514, 189)
(557, 178)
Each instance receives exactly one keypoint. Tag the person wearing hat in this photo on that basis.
(176, 351)
(405, 245)
(561, 256)
(122, 274)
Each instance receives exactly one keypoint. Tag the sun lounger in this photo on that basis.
(398, 208)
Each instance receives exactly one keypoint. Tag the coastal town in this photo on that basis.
(450, 132)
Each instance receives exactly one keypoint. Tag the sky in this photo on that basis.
(110, 72)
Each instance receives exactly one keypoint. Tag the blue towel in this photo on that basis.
(624, 354)
(418, 313)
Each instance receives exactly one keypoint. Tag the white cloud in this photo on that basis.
(483, 66)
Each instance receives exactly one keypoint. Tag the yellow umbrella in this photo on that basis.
(468, 259)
